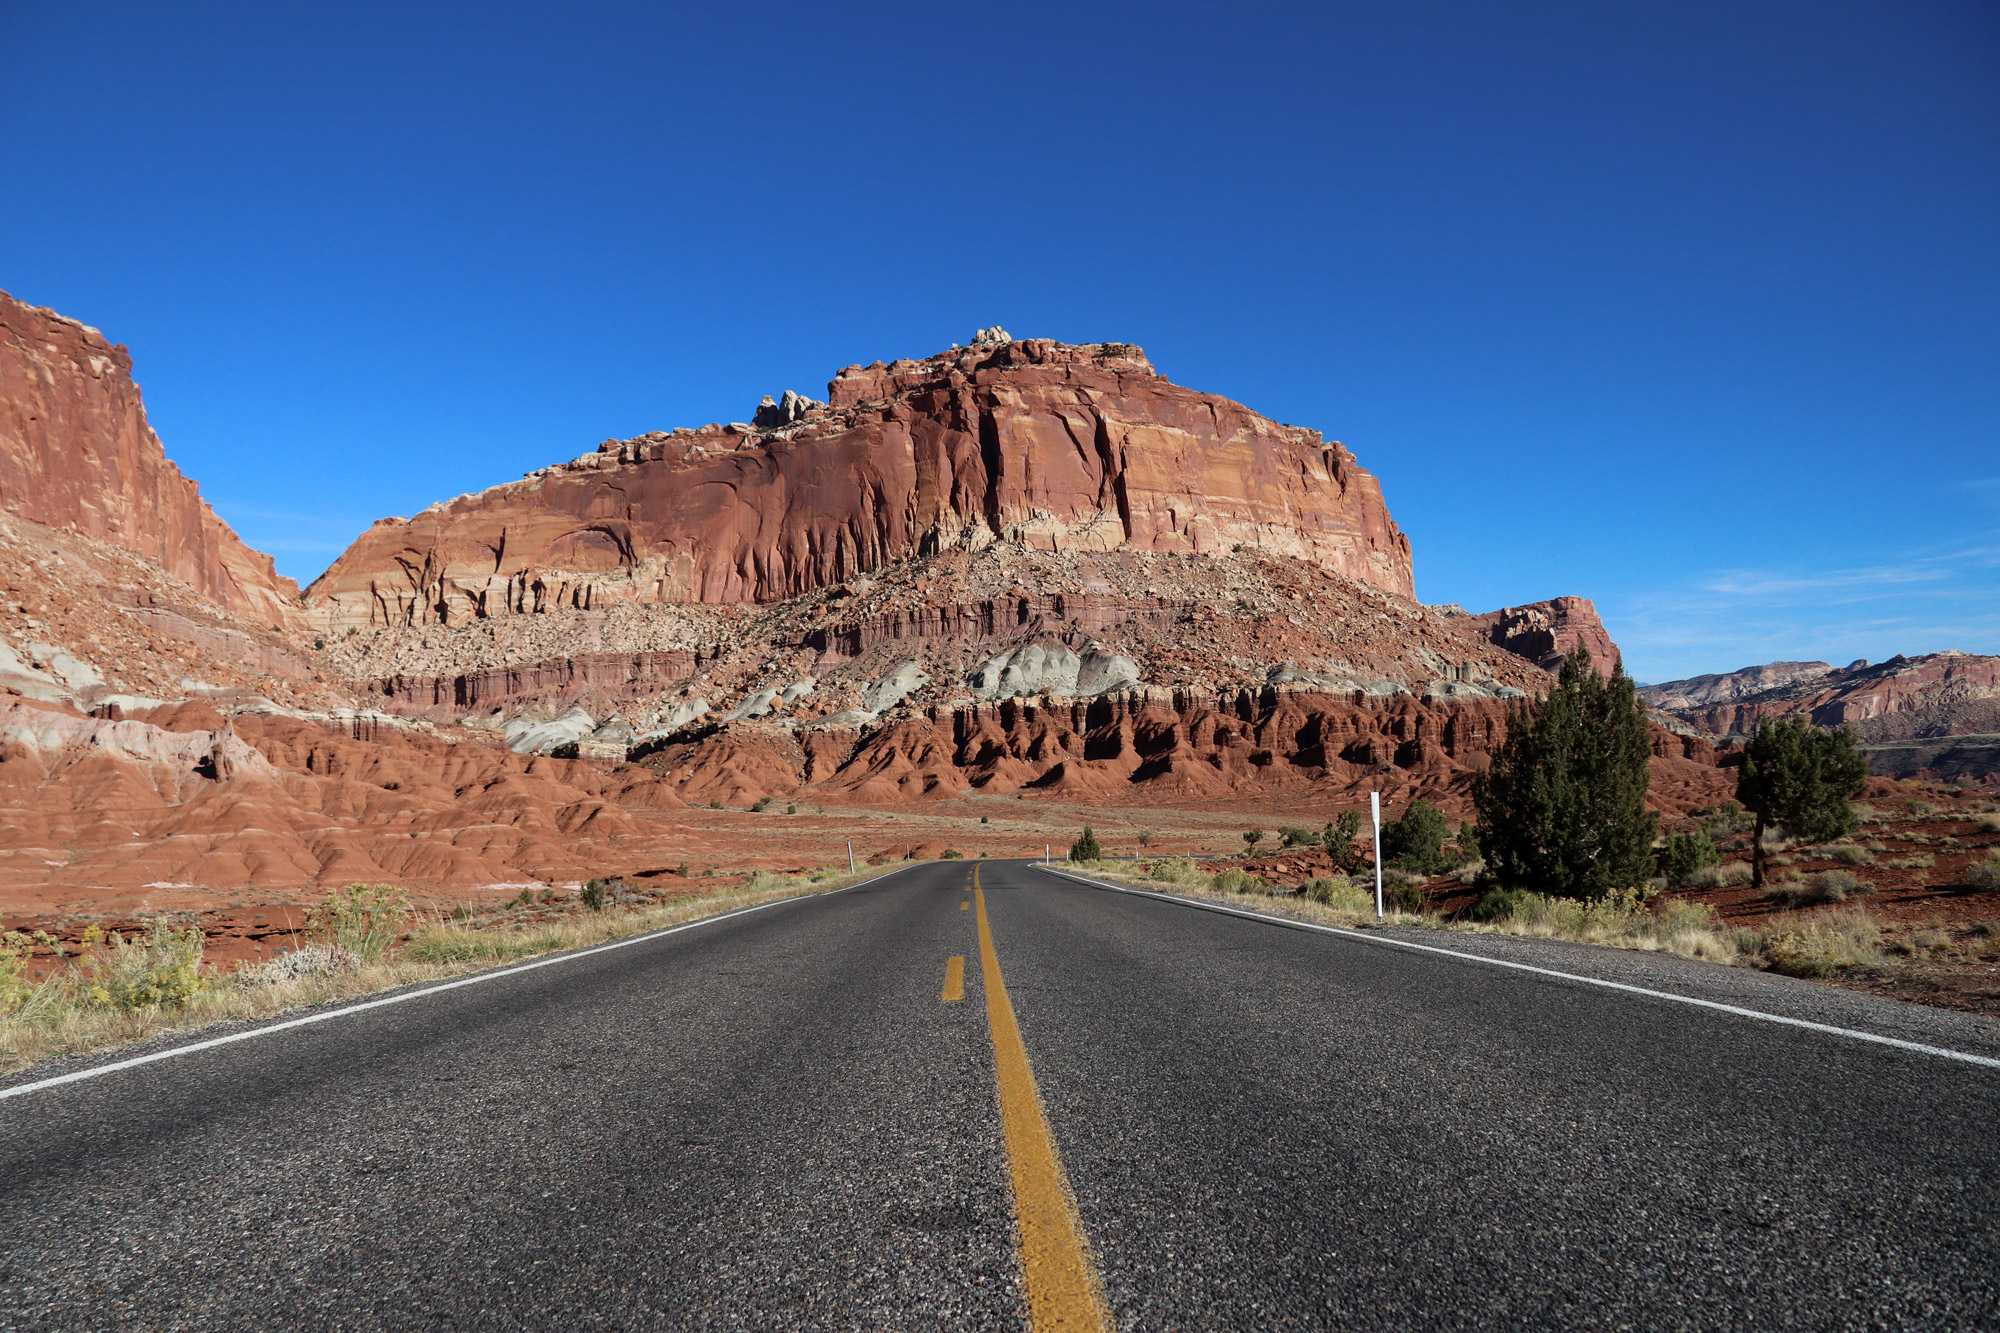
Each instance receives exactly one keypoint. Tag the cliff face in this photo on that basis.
(1053, 447)
(76, 453)
(1729, 686)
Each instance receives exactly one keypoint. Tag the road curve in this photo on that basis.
(780, 1121)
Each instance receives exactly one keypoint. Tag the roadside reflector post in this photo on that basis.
(850, 856)
(1048, 854)
(1375, 813)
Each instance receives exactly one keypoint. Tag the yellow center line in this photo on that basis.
(1064, 1290)
(954, 978)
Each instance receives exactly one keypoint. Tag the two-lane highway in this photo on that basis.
(786, 1120)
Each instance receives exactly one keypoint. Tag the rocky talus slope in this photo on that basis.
(76, 454)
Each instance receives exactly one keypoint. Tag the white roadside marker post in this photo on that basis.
(1048, 854)
(1375, 813)
(850, 856)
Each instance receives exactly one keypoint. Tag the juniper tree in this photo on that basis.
(1339, 838)
(1416, 841)
(1085, 848)
(1562, 807)
(1799, 776)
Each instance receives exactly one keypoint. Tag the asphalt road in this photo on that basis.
(778, 1122)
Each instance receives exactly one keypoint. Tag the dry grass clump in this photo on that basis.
(1986, 823)
(1848, 854)
(1829, 886)
(1984, 874)
(112, 991)
(1816, 946)
(1914, 861)
(1730, 874)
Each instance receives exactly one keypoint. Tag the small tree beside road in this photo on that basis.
(1085, 848)
(1562, 808)
(1799, 776)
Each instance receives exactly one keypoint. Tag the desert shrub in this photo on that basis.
(1338, 892)
(1499, 905)
(312, 960)
(1822, 945)
(759, 805)
(1471, 872)
(1297, 837)
(1176, 870)
(1850, 855)
(1085, 848)
(1984, 874)
(953, 854)
(1468, 840)
(1914, 861)
(159, 969)
(1403, 895)
(1562, 805)
(1145, 834)
(791, 809)
(1339, 839)
(1829, 886)
(1719, 821)
(1416, 841)
(1684, 855)
(596, 894)
(365, 918)
(1251, 837)
(715, 805)
(1917, 809)
(1987, 823)
(1237, 881)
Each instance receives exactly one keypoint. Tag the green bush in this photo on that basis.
(1686, 855)
(1251, 837)
(1416, 841)
(1085, 848)
(1499, 905)
(1297, 837)
(1339, 839)
(953, 854)
(366, 918)
(1338, 891)
(759, 805)
(596, 894)
(1822, 945)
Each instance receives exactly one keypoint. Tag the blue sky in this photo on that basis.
(1690, 309)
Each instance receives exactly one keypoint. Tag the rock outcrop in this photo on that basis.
(1544, 632)
(76, 454)
(1051, 447)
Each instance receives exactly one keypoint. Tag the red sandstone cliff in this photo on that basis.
(76, 453)
(1054, 447)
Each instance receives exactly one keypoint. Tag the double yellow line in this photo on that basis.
(1063, 1289)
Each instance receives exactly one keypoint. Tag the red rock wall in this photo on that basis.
(76, 453)
(1060, 448)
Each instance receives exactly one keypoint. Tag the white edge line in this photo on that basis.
(97, 1071)
(1367, 938)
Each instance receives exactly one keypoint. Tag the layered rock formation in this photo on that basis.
(1729, 686)
(1050, 447)
(76, 454)
(1938, 694)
